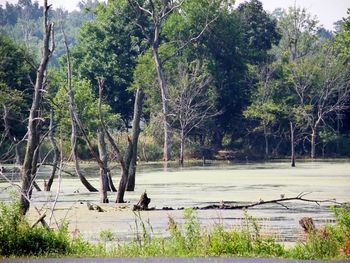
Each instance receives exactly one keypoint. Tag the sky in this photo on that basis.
(327, 11)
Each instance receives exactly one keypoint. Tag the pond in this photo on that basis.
(199, 185)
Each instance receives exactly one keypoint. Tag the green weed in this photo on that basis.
(17, 238)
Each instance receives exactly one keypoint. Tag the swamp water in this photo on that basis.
(200, 186)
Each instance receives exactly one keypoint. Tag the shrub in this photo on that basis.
(329, 242)
(18, 238)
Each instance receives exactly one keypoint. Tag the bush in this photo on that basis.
(17, 238)
(328, 242)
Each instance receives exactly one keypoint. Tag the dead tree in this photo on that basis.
(123, 160)
(292, 144)
(74, 118)
(158, 12)
(135, 137)
(28, 171)
(56, 152)
(191, 103)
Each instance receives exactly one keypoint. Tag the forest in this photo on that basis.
(135, 80)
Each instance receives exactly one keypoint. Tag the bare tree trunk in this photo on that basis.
(18, 160)
(29, 167)
(292, 144)
(165, 104)
(313, 143)
(74, 119)
(266, 143)
(182, 148)
(104, 180)
(124, 162)
(135, 137)
(124, 169)
(56, 151)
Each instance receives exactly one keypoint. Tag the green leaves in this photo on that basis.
(87, 104)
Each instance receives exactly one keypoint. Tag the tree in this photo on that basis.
(157, 12)
(151, 18)
(29, 168)
(108, 47)
(192, 100)
(264, 107)
(342, 39)
(321, 83)
(16, 72)
(258, 29)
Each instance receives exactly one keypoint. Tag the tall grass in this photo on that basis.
(189, 239)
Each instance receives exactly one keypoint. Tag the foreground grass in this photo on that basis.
(17, 238)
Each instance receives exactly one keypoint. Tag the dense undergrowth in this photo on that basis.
(18, 238)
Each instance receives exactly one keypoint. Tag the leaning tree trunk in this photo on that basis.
(124, 162)
(74, 119)
(124, 169)
(292, 144)
(29, 167)
(165, 104)
(56, 151)
(135, 137)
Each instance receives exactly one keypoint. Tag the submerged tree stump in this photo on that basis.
(143, 203)
(307, 224)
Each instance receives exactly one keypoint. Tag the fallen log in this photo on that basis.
(225, 205)
(41, 219)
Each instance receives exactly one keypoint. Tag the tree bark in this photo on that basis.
(104, 180)
(124, 162)
(29, 167)
(165, 104)
(313, 143)
(292, 144)
(266, 143)
(135, 137)
(56, 151)
(182, 148)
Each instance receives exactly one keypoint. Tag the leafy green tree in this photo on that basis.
(87, 108)
(321, 85)
(299, 33)
(342, 40)
(15, 74)
(264, 107)
(108, 47)
(259, 30)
